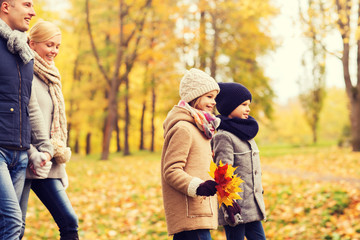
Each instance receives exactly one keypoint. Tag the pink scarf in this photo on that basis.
(206, 122)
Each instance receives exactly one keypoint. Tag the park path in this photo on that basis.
(311, 175)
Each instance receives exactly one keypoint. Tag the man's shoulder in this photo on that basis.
(3, 48)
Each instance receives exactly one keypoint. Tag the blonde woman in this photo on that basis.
(49, 182)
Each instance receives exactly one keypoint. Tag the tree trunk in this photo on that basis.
(76, 147)
(69, 131)
(152, 148)
(88, 143)
(118, 135)
(355, 125)
(355, 102)
(110, 122)
(314, 132)
(141, 147)
(213, 64)
(127, 119)
(202, 43)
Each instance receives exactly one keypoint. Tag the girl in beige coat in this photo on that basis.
(190, 207)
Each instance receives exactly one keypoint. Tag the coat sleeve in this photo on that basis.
(223, 149)
(174, 162)
(40, 138)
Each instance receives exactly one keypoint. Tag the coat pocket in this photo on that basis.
(244, 163)
(7, 121)
(199, 207)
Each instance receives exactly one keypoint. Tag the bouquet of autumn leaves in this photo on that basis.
(228, 183)
(227, 191)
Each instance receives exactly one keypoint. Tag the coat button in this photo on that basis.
(11, 109)
(254, 153)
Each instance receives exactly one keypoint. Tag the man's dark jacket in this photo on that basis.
(15, 90)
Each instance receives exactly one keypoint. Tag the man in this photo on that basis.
(18, 113)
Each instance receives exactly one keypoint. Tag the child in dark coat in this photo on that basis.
(234, 144)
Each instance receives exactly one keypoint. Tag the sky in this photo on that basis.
(283, 66)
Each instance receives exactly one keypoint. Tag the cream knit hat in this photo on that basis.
(196, 83)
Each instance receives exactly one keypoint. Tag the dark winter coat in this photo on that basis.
(15, 90)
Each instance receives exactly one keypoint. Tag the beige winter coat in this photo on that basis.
(185, 164)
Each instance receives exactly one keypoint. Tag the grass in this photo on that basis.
(278, 150)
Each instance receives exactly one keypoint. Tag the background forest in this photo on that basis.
(121, 63)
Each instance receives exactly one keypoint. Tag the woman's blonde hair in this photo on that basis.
(43, 31)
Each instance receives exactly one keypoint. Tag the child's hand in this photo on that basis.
(207, 188)
(232, 214)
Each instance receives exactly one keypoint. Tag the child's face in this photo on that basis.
(206, 102)
(242, 111)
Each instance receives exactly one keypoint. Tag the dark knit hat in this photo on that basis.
(231, 95)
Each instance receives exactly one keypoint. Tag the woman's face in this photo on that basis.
(242, 111)
(206, 102)
(49, 49)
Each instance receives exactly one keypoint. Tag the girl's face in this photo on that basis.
(206, 102)
(49, 49)
(242, 111)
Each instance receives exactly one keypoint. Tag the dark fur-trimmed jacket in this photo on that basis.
(245, 156)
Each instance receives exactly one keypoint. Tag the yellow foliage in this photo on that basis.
(228, 187)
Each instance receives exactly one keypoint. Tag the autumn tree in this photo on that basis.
(348, 22)
(245, 41)
(128, 27)
(127, 57)
(344, 15)
(312, 81)
(227, 38)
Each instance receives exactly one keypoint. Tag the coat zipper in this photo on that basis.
(20, 101)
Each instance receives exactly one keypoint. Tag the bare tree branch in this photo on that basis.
(93, 46)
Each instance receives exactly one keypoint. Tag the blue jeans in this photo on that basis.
(12, 177)
(252, 231)
(200, 234)
(52, 194)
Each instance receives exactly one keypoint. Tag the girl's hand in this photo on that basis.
(48, 158)
(207, 188)
(38, 164)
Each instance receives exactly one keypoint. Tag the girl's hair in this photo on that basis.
(193, 103)
(43, 31)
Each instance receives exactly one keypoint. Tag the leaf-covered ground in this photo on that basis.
(308, 196)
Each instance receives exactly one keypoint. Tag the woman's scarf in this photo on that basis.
(50, 75)
(206, 122)
(16, 42)
(245, 129)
